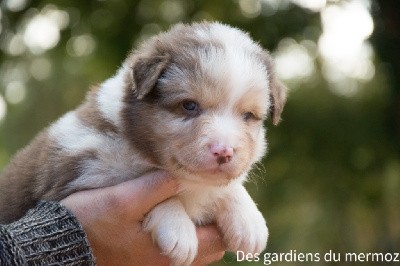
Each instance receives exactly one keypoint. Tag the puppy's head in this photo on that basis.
(196, 98)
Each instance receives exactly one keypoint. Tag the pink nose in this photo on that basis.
(222, 153)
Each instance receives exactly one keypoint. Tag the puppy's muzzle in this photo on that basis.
(222, 153)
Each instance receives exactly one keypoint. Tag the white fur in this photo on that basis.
(114, 160)
(238, 72)
(73, 136)
(232, 37)
(262, 148)
(224, 129)
(174, 231)
(244, 74)
(110, 97)
(113, 165)
(241, 223)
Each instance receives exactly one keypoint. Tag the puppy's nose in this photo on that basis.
(222, 153)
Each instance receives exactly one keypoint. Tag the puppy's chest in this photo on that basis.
(201, 203)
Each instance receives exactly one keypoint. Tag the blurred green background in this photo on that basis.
(331, 179)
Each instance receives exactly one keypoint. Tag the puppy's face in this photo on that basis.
(200, 99)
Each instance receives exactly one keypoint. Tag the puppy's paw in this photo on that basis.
(175, 236)
(247, 232)
(179, 242)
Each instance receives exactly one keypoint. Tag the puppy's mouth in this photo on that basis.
(218, 174)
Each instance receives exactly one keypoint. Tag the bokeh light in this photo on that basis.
(42, 29)
(293, 60)
(343, 44)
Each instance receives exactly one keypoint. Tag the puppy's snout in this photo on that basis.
(222, 153)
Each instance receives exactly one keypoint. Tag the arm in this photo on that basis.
(47, 234)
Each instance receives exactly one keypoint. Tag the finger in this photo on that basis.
(201, 261)
(211, 245)
(143, 193)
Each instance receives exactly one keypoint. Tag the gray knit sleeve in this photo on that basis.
(47, 235)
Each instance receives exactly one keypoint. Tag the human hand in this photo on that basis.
(112, 219)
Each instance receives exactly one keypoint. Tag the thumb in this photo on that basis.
(142, 194)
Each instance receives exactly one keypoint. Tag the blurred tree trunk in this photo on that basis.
(386, 39)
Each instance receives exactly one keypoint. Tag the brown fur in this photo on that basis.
(278, 90)
(90, 115)
(38, 172)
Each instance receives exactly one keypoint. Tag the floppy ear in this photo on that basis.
(278, 100)
(145, 73)
(277, 90)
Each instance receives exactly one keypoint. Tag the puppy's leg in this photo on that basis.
(241, 223)
(173, 230)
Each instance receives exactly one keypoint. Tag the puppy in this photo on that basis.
(190, 101)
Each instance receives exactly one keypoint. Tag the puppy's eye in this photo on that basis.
(191, 107)
(249, 116)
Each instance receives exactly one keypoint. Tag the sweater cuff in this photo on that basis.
(50, 234)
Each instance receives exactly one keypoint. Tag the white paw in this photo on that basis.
(246, 232)
(176, 238)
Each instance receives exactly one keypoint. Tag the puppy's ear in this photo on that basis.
(278, 100)
(278, 90)
(145, 73)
